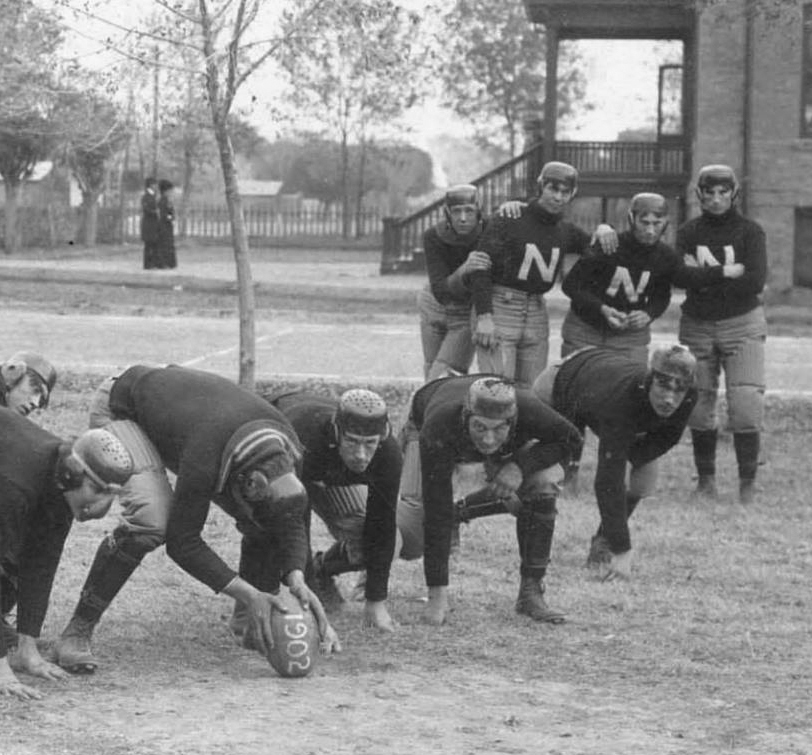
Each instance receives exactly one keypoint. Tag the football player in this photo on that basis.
(637, 414)
(26, 382)
(520, 444)
(45, 483)
(512, 328)
(226, 445)
(723, 324)
(351, 471)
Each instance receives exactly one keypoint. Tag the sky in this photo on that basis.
(621, 81)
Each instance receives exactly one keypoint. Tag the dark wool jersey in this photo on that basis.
(526, 253)
(712, 241)
(608, 393)
(636, 277)
(34, 518)
(438, 411)
(445, 251)
(312, 418)
(190, 416)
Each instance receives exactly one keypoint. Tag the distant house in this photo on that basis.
(46, 186)
(259, 194)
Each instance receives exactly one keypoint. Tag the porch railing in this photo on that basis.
(620, 161)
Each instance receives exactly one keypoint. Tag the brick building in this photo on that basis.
(747, 99)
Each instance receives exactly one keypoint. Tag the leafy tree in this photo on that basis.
(493, 69)
(28, 38)
(95, 134)
(356, 67)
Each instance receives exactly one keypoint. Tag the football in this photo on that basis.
(296, 639)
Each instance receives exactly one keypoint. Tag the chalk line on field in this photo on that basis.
(227, 351)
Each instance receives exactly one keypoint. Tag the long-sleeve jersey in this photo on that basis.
(711, 241)
(445, 251)
(526, 253)
(191, 416)
(636, 277)
(34, 518)
(438, 411)
(608, 392)
(312, 418)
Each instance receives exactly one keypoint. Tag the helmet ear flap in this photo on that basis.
(69, 472)
(13, 372)
(254, 485)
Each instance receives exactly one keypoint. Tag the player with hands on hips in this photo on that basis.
(45, 483)
(518, 445)
(724, 326)
(225, 445)
(351, 470)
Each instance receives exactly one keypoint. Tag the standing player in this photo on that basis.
(520, 443)
(445, 303)
(512, 329)
(226, 445)
(615, 298)
(26, 382)
(724, 326)
(351, 471)
(637, 415)
(44, 484)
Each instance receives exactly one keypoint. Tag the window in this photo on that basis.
(806, 81)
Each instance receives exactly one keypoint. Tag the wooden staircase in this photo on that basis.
(607, 169)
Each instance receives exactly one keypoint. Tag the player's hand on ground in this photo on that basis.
(637, 320)
(477, 261)
(11, 686)
(606, 236)
(734, 270)
(618, 568)
(511, 209)
(507, 481)
(485, 334)
(27, 658)
(437, 607)
(377, 617)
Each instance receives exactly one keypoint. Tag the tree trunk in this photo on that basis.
(90, 218)
(359, 194)
(345, 187)
(242, 257)
(12, 236)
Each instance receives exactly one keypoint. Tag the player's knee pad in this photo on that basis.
(134, 545)
(703, 416)
(745, 408)
(545, 483)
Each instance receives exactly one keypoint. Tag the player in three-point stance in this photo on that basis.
(723, 325)
(521, 445)
(45, 483)
(351, 470)
(227, 445)
(637, 414)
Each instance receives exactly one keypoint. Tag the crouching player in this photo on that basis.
(637, 413)
(226, 445)
(26, 382)
(521, 444)
(45, 483)
(351, 471)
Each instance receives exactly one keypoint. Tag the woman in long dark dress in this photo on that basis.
(166, 226)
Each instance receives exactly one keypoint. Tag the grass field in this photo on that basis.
(706, 651)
